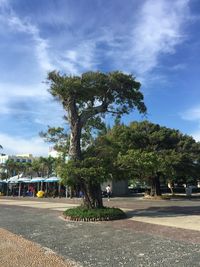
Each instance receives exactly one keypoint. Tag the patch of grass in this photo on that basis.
(102, 214)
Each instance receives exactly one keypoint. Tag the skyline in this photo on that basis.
(157, 41)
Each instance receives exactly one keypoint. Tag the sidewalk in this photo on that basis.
(17, 251)
(185, 215)
(114, 243)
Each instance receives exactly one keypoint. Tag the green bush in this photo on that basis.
(103, 214)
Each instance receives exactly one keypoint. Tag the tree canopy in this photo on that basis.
(86, 99)
(151, 152)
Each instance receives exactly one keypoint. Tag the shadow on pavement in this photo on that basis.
(156, 212)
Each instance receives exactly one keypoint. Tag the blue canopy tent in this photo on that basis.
(24, 180)
(39, 181)
(3, 187)
(52, 179)
(15, 184)
(56, 185)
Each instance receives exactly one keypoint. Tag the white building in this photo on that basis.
(53, 153)
(16, 158)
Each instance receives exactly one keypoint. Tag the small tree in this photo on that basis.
(86, 99)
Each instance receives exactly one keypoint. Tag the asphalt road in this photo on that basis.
(101, 244)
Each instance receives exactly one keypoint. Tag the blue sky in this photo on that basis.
(156, 40)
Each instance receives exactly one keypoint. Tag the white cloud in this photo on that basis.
(10, 93)
(192, 114)
(3, 3)
(17, 145)
(180, 66)
(196, 135)
(40, 45)
(81, 58)
(26, 90)
(158, 30)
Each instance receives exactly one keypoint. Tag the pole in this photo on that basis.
(41, 186)
(66, 191)
(59, 185)
(19, 193)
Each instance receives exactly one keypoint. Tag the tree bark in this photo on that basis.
(92, 193)
(155, 186)
(96, 195)
(75, 137)
(76, 128)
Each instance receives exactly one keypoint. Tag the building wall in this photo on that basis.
(53, 153)
(118, 188)
(17, 158)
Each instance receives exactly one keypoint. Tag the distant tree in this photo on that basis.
(86, 99)
(143, 165)
(43, 166)
(11, 168)
(166, 152)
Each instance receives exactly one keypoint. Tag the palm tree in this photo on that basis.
(10, 167)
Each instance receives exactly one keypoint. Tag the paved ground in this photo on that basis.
(16, 251)
(182, 214)
(120, 243)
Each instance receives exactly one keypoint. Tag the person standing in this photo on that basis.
(108, 191)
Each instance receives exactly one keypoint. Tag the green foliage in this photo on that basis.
(146, 149)
(86, 99)
(57, 136)
(118, 92)
(103, 214)
(44, 166)
(140, 164)
(90, 170)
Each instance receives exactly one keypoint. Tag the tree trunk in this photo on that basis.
(155, 186)
(75, 137)
(92, 193)
(96, 195)
(76, 128)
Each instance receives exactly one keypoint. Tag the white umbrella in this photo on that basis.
(13, 180)
(24, 180)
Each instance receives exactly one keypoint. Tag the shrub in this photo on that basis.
(102, 214)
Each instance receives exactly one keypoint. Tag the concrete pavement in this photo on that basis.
(167, 217)
(37, 204)
(119, 243)
(19, 252)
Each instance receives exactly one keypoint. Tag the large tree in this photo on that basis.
(154, 151)
(86, 99)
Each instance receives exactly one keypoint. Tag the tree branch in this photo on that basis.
(92, 111)
(72, 110)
